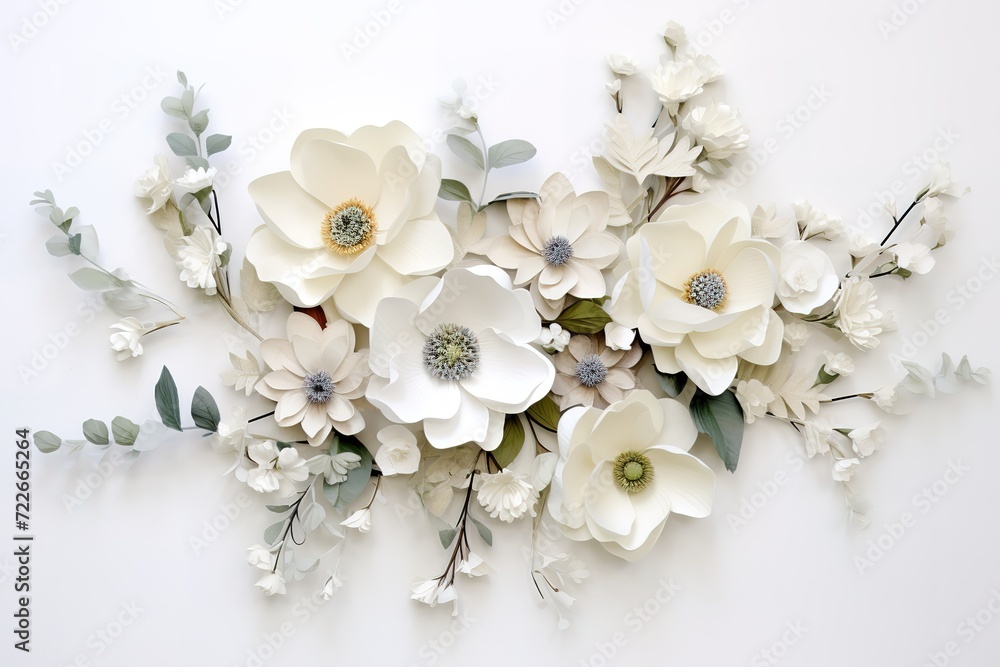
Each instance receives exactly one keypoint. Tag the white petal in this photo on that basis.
(767, 352)
(393, 332)
(295, 215)
(689, 483)
(607, 504)
(470, 423)
(334, 173)
(749, 281)
(359, 293)
(420, 247)
(508, 374)
(413, 394)
(712, 375)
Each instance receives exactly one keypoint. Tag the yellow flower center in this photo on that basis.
(350, 228)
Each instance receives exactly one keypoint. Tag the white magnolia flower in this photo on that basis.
(866, 440)
(332, 585)
(914, 257)
(942, 183)
(718, 129)
(817, 436)
(618, 337)
(838, 364)
(271, 583)
(623, 470)
(843, 470)
(360, 519)
(195, 180)
(806, 277)
(199, 255)
(936, 222)
(155, 185)
(622, 64)
(276, 471)
(858, 317)
(506, 495)
(553, 338)
(353, 220)
(814, 222)
(261, 557)
(334, 467)
(398, 453)
(125, 339)
(316, 375)
(475, 566)
(559, 245)
(674, 33)
(796, 334)
(700, 292)
(683, 78)
(754, 396)
(455, 354)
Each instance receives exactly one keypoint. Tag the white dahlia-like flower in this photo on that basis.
(353, 219)
(125, 338)
(700, 291)
(558, 244)
(838, 363)
(455, 354)
(754, 397)
(315, 376)
(155, 185)
(806, 277)
(858, 316)
(198, 179)
(814, 222)
(718, 129)
(622, 471)
(199, 255)
(679, 80)
(506, 495)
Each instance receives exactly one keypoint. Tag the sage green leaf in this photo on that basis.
(484, 532)
(204, 410)
(47, 442)
(453, 190)
(278, 509)
(95, 280)
(273, 532)
(447, 536)
(672, 383)
(545, 413)
(466, 150)
(331, 492)
(125, 431)
(181, 144)
(187, 102)
(71, 213)
(199, 122)
(172, 106)
(96, 431)
(196, 162)
(825, 378)
(720, 418)
(357, 478)
(74, 243)
(511, 152)
(511, 442)
(167, 403)
(58, 246)
(216, 143)
(584, 317)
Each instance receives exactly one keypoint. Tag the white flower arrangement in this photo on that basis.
(558, 369)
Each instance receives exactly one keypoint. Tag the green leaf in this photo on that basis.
(545, 413)
(903, 273)
(172, 106)
(273, 532)
(357, 478)
(520, 194)
(95, 280)
(196, 162)
(511, 152)
(71, 213)
(167, 403)
(96, 431)
(204, 410)
(825, 378)
(720, 418)
(125, 431)
(466, 150)
(58, 246)
(672, 383)
(199, 122)
(584, 317)
(216, 143)
(447, 536)
(331, 492)
(484, 532)
(453, 190)
(187, 102)
(182, 78)
(181, 144)
(279, 509)
(47, 442)
(512, 441)
(74, 243)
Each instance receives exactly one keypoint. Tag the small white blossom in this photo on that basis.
(674, 33)
(399, 453)
(814, 222)
(198, 257)
(817, 438)
(360, 519)
(718, 129)
(333, 584)
(866, 440)
(796, 334)
(935, 220)
(858, 317)
(475, 566)
(554, 338)
(914, 257)
(272, 583)
(261, 557)
(838, 364)
(859, 244)
(622, 64)
(461, 105)
(843, 470)
(125, 339)
(195, 180)
(942, 183)
(616, 336)
(754, 397)
(275, 471)
(433, 592)
(888, 399)
(154, 185)
(507, 495)
(614, 87)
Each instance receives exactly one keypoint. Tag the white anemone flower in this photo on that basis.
(622, 471)
(353, 220)
(455, 354)
(700, 291)
(806, 277)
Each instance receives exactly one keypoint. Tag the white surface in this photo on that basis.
(793, 562)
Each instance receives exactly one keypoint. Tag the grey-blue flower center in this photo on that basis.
(557, 250)
(451, 352)
(591, 371)
(318, 387)
(706, 289)
(349, 228)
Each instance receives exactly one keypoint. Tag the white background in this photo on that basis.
(891, 94)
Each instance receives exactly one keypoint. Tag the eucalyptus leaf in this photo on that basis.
(71, 212)
(172, 106)
(96, 431)
(453, 190)
(331, 492)
(312, 516)
(279, 509)
(672, 383)
(510, 152)
(216, 143)
(466, 150)
(720, 418)
(199, 122)
(95, 280)
(182, 78)
(204, 410)
(584, 317)
(511, 442)
(273, 532)
(167, 403)
(125, 431)
(545, 413)
(196, 162)
(447, 536)
(357, 478)
(74, 243)
(58, 246)
(187, 102)
(181, 144)
(47, 442)
(484, 532)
